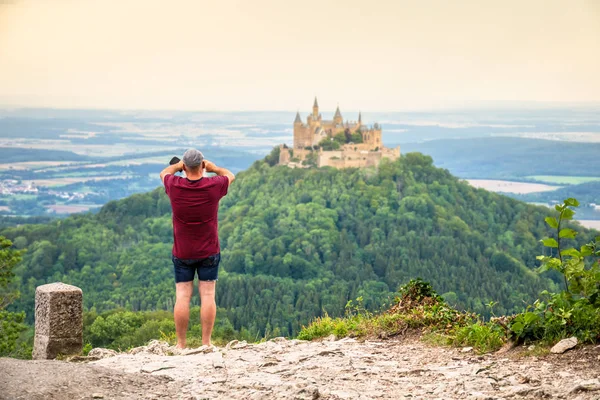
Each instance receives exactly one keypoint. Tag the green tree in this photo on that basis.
(11, 324)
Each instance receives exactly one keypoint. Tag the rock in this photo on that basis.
(466, 350)
(508, 346)
(218, 363)
(279, 339)
(310, 392)
(157, 347)
(230, 344)
(330, 338)
(97, 396)
(586, 386)
(155, 367)
(160, 348)
(101, 353)
(204, 349)
(240, 345)
(58, 321)
(564, 345)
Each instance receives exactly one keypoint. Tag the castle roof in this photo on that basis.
(298, 119)
(316, 104)
(338, 114)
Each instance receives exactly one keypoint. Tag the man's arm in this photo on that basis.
(211, 167)
(171, 169)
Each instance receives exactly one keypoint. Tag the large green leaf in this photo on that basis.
(587, 250)
(567, 233)
(572, 202)
(550, 242)
(571, 252)
(552, 222)
(567, 213)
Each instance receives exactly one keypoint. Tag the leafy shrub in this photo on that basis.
(576, 310)
(484, 337)
(416, 306)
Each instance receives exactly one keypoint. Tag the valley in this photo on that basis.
(57, 162)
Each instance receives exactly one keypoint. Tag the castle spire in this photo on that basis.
(337, 118)
(315, 115)
(298, 120)
(359, 118)
(315, 103)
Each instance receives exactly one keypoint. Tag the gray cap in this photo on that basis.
(193, 158)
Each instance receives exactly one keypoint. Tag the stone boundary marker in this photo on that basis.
(58, 321)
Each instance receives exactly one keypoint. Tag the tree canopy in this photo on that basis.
(298, 243)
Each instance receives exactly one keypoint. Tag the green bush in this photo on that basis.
(484, 337)
(576, 310)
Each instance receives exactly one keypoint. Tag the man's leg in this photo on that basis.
(183, 292)
(208, 309)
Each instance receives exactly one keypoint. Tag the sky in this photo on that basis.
(378, 55)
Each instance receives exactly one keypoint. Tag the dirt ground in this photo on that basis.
(292, 369)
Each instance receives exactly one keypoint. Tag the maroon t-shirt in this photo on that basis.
(195, 206)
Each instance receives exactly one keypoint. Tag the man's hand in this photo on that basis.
(171, 169)
(210, 166)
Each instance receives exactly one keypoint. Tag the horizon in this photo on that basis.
(481, 106)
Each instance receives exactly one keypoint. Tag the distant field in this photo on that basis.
(20, 196)
(34, 164)
(83, 150)
(67, 181)
(591, 224)
(135, 161)
(510, 186)
(70, 209)
(564, 180)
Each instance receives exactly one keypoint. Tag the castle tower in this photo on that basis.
(337, 118)
(315, 110)
(301, 133)
(359, 119)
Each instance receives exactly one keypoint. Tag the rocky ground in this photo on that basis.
(292, 369)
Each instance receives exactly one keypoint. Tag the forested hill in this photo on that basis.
(300, 242)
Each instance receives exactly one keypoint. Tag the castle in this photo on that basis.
(335, 143)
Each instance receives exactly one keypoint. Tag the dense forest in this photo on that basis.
(298, 243)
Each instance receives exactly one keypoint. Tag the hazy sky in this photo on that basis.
(277, 54)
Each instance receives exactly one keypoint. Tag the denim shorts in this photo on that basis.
(207, 268)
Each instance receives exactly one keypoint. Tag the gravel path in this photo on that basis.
(291, 369)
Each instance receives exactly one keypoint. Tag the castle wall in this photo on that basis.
(284, 155)
(302, 136)
(392, 154)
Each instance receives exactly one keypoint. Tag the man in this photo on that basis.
(195, 203)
